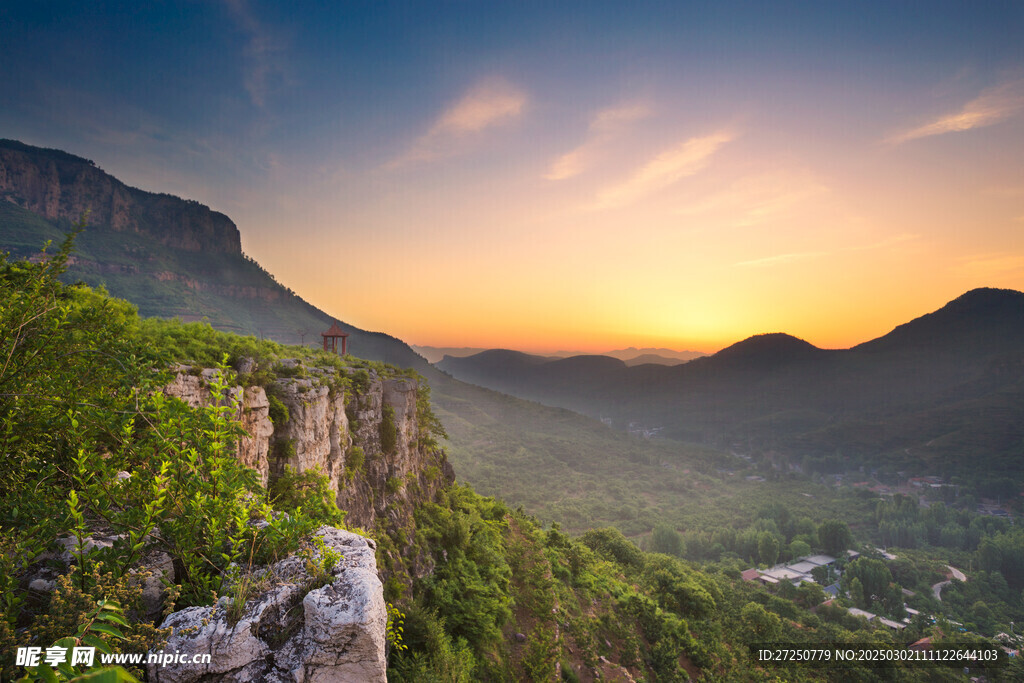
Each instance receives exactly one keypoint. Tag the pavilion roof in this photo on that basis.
(335, 331)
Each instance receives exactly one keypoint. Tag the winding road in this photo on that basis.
(954, 574)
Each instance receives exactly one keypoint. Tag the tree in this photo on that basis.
(834, 536)
(873, 577)
(767, 547)
(857, 593)
(822, 574)
(799, 549)
(759, 625)
(666, 540)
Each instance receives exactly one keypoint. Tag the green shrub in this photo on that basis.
(309, 491)
(320, 563)
(360, 381)
(388, 430)
(279, 414)
(354, 462)
(284, 449)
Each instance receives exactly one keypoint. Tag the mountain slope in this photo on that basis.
(561, 465)
(171, 257)
(939, 392)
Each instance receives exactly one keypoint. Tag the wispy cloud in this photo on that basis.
(605, 126)
(264, 52)
(886, 243)
(992, 265)
(665, 169)
(488, 104)
(760, 197)
(992, 106)
(786, 259)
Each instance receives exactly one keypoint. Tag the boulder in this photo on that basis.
(292, 631)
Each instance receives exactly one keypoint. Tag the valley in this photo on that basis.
(630, 502)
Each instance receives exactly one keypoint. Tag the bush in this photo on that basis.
(388, 430)
(279, 414)
(354, 462)
(309, 491)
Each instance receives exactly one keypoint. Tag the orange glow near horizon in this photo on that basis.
(647, 232)
(564, 176)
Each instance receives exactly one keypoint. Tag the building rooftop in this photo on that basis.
(784, 573)
(891, 624)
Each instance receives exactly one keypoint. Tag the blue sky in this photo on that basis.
(570, 174)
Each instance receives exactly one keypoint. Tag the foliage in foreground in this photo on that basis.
(506, 600)
(89, 445)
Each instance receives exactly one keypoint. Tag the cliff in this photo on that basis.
(58, 185)
(360, 427)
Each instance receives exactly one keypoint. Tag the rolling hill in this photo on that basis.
(938, 392)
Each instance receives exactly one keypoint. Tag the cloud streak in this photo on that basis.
(992, 106)
(992, 265)
(488, 104)
(785, 259)
(670, 166)
(759, 198)
(263, 52)
(605, 126)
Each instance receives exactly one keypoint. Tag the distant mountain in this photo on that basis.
(435, 354)
(631, 356)
(169, 256)
(944, 391)
(60, 187)
(653, 359)
(971, 323)
(764, 351)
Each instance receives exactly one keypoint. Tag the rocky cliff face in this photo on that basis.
(360, 428)
(60, 185)
(253, 414)
(379, 481)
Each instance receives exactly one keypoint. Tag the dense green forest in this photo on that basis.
(507, 597)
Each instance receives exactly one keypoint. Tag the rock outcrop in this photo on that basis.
(337, 431)
(253, 414)
(59, 185)
(294, 630)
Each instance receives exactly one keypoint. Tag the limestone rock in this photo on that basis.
(289, 632)
(160, 567)
(253, 414)
(317, 428)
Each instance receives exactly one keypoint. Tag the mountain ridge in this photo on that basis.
(169, 256)
(903, 396)
(59, 185)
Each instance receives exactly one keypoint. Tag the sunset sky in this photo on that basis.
(562, 175)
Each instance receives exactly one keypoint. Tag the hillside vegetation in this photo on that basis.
(506, 599)
(940, 395)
